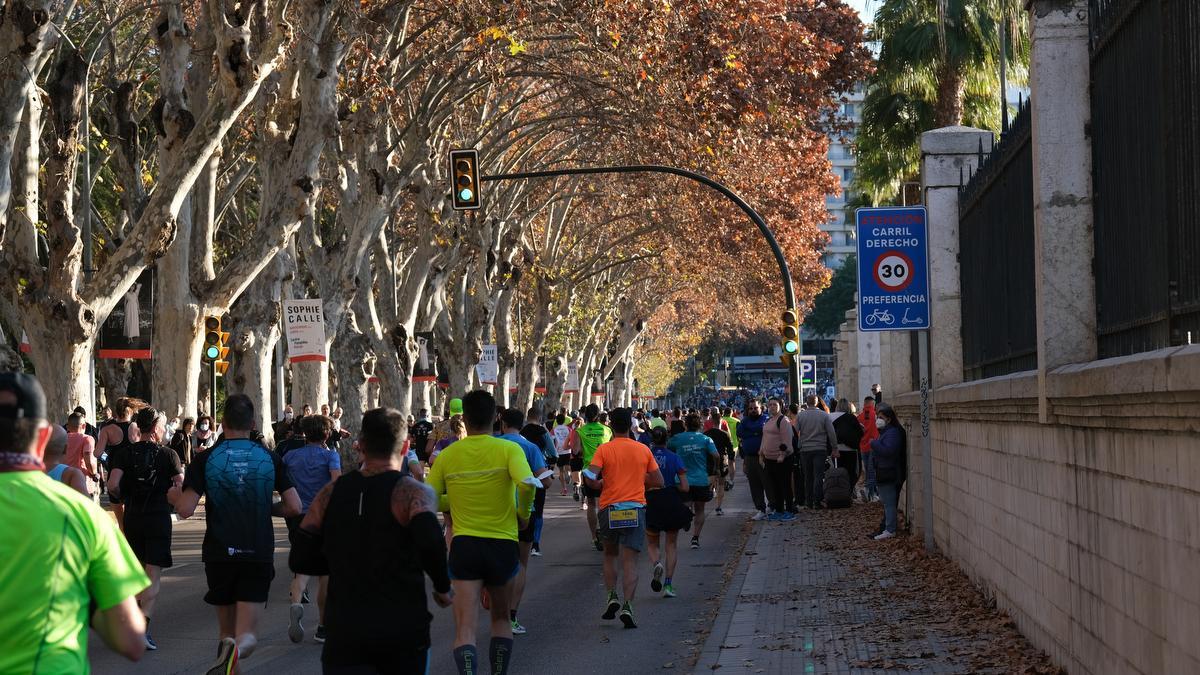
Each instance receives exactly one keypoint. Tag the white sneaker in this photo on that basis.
(884, 535)
(295, 628)
(761, 515)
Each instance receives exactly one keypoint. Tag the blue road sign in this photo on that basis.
(808, 370)
(893, 269)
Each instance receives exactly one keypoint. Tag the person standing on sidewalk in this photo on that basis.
(238, 476)
(870, 432)
(310, 468)
(849, 434)
(778, 441)
(475, 479)
(817, 440)
(375, 533)
(890, 452)
(620, 471)
(666, 513)
(750, 434)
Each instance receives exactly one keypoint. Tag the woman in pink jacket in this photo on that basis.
(777, 452)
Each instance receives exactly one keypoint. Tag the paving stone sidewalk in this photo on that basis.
(816, 596)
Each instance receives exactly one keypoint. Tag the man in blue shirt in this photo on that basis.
(694, 448)
(511, 423)
(310, 467)
(749, 433)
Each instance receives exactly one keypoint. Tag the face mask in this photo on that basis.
(879, 423)
(288, 416)
(204, 427)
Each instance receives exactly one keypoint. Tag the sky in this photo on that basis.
(866, 8)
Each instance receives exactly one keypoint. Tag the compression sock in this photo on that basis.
(501, 649)
(512, 615)
(668, 581)
(467, 660)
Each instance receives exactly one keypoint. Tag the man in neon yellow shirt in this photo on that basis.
(60, 554)
(727, 415)
(583, 443)
(475, 479)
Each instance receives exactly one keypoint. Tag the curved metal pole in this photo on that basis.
(788, 290)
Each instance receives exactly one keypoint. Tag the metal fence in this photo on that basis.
(1146, 159)
(999, 326)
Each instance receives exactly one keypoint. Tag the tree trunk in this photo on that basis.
(351, 352)
(948, 111)
(256, 333)
(62, 363)
(556, 380)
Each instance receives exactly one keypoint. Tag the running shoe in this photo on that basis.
(295, 628)
(627, 616)
(227, 658)
(150, 644)
(719, 512)
(319, 636)
(535, 551)
(564, 492)
(518, 629)
(614, 606)
(695, 543)
(728, 485)
(597, 544)
(760, 515)
(787, 517)
(656, 584)
(884, 535)
(669, 591)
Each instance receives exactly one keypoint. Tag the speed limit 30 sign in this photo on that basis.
(893, 272)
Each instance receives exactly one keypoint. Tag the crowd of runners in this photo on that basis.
(459, 501)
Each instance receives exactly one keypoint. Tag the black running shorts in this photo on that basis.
(149, 536)
(492, 561)
(233, 581)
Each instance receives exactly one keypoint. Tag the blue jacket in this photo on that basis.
(888, 450)
(750, 431)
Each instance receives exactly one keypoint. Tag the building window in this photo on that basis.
(848, 174)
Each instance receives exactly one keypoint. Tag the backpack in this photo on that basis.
(836, 487)
(143, 468)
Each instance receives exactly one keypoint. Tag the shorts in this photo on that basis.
(576, 463)
(149, 536)
(232, 581)
(492, 561)
(633, 538)
(373, 659)
(564, 460)
(699, 493)
(666, 512)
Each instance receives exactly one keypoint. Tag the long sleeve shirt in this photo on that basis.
(816, 431)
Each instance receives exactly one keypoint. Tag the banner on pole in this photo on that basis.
(129, 330)
(489, 365)
(304, 326)
(572, 378)
(423, 369)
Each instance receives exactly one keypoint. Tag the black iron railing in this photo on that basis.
(1145, 129)
(999, 328)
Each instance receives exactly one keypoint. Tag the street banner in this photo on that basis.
(129, 330)
(893, 268)
(304, 327)
(489, 365)
(443, 373)
(423, 369)
(572, 378)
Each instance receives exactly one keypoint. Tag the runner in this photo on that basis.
(727, 415)
(562, 434)
(587, 438)
(56, 464)
(474, 479)
(114, 438)
(511, 423)
(80, 446)
(140, 478)
(695, 449)
(620, 471)
(418, 435)
(717, 469)
(309, 468)
(66, 559)
(375, 532)
(238, 476)
(535, 432)
(666, 513)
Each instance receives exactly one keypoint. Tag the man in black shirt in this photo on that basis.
(419, 434)
(375, 533)
(140, 475)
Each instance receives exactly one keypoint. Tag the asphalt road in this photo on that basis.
(561, 610)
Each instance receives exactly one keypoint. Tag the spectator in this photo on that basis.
(817, 440)
(890, 452)
(777, 450)
(870, 432)
(849, 435)
(750, 433)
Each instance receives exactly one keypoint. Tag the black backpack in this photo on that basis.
(143, 468)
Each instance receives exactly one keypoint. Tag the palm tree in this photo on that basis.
(939, 65)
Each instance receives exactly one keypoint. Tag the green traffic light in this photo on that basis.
(791, 347)
(466, 195)
(212, 352)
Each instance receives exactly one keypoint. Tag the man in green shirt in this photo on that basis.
(727, 415)
(583, 443)
(66, 564)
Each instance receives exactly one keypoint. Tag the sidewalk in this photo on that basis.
(817, 596)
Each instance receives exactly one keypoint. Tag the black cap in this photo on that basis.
(31, 400)
(621, 417)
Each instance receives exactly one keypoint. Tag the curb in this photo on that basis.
(711, 653)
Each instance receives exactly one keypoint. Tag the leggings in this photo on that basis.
(779, 482)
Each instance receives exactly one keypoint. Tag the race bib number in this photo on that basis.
(619, 519)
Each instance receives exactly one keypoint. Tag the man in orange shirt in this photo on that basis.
(621, 470)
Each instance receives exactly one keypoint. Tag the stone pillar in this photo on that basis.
(869, 371)
(1062, 188)
(948, 155)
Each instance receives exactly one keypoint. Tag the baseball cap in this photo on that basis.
(31, 400)
(456, 406)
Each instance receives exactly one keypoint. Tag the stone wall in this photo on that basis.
(1085, 528)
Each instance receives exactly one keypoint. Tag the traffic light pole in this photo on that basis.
(788, 290)
(212, 392)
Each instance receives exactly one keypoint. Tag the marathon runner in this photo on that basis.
(562, 434)
(717, 469)
(586, 440)
(375, 533)
(695, 449)
(619, 472)
(56, 463)
(475, 479)
(666, 513)
(727, 414)
(511, 423)
(114, 438)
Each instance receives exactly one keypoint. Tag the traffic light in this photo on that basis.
(790, 331)
(464, 179)
(216, 343)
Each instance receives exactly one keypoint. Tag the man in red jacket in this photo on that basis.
(870, 432)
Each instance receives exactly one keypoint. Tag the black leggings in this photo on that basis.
(779, 478)
(378, 661)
